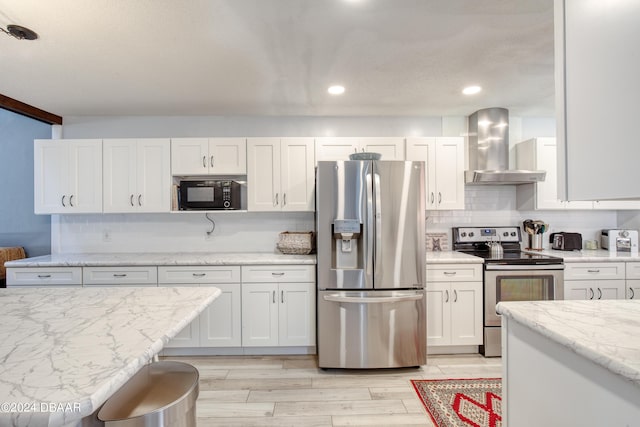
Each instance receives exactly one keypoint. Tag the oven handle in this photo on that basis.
(524, 267)
(373, 300)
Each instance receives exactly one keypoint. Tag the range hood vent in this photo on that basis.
(489, 151)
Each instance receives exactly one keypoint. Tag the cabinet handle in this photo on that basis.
(599, 294)
(446, 293)
(284, 199)
(282, 296)
(439, 197)
(455, 296)
(131, 200)
(199, 274)
(63, 205)
(593, 271)
(355, 149)
(44, 276)
(631, 293)
(276, 202)
(120, 275)
(592, 294)
(278, 274)
(449, 273)
(71, 200)
(274, 297)
(204, 161)
(211, 161)
(432, 196)
(139, 199)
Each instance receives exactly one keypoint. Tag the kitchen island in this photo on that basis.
(64, 351)
(571, 363)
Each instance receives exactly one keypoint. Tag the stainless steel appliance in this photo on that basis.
(370, 236)
(619, 240)
(209, 194)
(566, 241)
(512, 276)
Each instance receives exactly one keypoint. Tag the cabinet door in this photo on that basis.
(189, 156)
(450, 173)
(51, 164)
(391, 148)
(297, 314)
(546, 159)
(633, 289)
(259, 314)
(263, 174)
(331, 148)
(228, 156)
(153, 175)
(438, 313)
(424, 149)
(297, 174)
(119, 167)
(610, 289)
(221, 322)
(190, 335)
(466, 313)
(85, 176)
(579, 290)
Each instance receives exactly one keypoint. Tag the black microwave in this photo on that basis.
(209, 195)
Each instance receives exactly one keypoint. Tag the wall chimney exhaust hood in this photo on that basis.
(489, 151)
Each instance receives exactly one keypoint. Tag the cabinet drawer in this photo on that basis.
(632, 270)
(119, 275)
(44, 276)
(278, 273)
(198, 274)
(454, 272)
(599, 271)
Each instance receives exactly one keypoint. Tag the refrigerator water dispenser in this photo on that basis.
(346, 234)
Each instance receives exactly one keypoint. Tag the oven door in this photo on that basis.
(520, 283)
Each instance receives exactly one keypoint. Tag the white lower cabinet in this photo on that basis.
(278, 306)
(219, 325)
(44, 276)
(454, 304)
(594, 281)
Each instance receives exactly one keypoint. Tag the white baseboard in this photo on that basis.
(236, 351)
(452, 349)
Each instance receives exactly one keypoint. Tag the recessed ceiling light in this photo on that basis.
(471, 90)
(336, 90)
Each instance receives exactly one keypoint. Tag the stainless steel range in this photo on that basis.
(509, 274)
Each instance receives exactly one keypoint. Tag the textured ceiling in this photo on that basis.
(277, 57)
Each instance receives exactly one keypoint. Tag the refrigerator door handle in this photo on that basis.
(369, 259)
(378, 216)
(372, 300)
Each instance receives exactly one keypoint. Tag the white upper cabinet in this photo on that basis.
(280, 174)
(444, 173)
(137, 175)
(541, 154)
(208, 156)
(335, 148)
(67, 176)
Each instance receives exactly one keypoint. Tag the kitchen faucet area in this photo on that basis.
(319, 213)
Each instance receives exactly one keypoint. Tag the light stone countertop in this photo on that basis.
(178, 258)
(75, 347)
(606, 332)
(452, 257)
(597, 255)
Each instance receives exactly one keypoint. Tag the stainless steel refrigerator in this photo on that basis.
(370, 225)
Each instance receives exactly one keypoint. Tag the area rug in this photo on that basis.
(462, 402)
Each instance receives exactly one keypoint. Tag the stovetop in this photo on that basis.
(475, 241)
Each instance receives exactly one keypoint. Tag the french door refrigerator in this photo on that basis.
(370, 234)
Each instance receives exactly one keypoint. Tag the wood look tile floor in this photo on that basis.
(292, 391)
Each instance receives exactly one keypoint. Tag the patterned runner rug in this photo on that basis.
(462, 402)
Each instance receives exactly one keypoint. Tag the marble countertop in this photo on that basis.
(452, 257)
(178, 258)
(596, 255)
(69, 349)
(606, 332)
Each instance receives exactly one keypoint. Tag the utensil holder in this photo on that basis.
(535, 242)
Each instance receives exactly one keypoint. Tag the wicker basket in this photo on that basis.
(296, 242)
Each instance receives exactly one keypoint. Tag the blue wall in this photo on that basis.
(19, 226)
